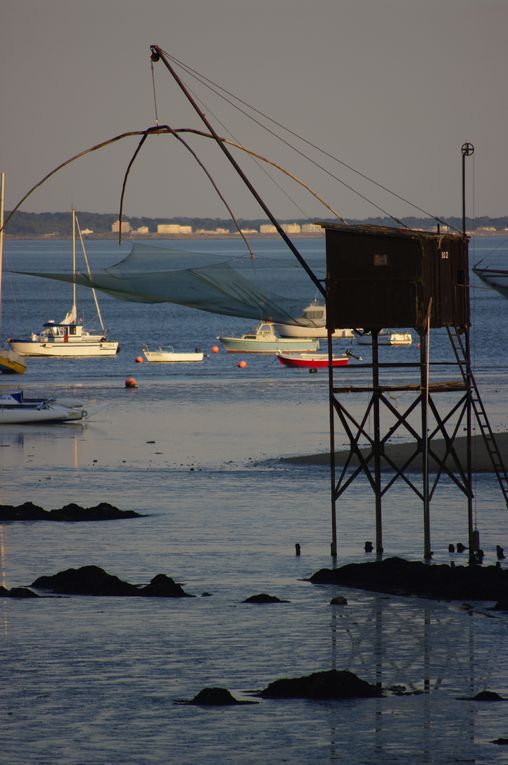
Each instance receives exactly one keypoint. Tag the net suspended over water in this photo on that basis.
(264, 289)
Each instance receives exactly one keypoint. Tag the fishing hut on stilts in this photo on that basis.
(380, 277)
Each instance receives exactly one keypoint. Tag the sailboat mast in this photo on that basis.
(94, 293)
(74, 309)
(2, 197)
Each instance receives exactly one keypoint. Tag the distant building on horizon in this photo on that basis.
(173, 228)
(125, 227)
(289, 228)
(292, 228)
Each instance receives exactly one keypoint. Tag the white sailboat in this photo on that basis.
(10, 361)
(69, 338)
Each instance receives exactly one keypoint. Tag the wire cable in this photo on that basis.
(209, 83)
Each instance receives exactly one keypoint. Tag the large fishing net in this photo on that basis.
(233, 287)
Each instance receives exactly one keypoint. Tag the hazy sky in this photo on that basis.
(391, 87)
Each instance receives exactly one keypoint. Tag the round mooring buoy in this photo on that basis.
(215, 348)
(242, 364)
(139, 359)
(131, 383)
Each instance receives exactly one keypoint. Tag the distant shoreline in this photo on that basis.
(133, 237)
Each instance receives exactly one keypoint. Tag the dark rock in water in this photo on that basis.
(92, 580)
(264, 598)
(333, 684)
(25, 512)
(163, 586)
(17, 592)
(502, 605)
(87, 580)
(101, 512)
(402, 577)
(216, 697)
(72, 512)
(501, 741)
(338, 600)
(488, 696)
(22, 592)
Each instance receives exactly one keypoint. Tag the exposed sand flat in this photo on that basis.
(399, 453)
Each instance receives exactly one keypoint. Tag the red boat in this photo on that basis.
(311, 360)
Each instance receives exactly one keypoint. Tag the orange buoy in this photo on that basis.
(139, 359)
(131, 383)
(215, 348)
(242, 364)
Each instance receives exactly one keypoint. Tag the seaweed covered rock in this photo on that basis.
(263, 598)
(92, 580)
(163, 586)
(403, 577)
(87, 580)
(101, 512)
(22, 592)
(25, 512)
(333, 684)
(69, 513)
(216, 697)
(17, 592)
(338, 600)
(488, 696)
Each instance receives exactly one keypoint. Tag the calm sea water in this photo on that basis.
(197, 449)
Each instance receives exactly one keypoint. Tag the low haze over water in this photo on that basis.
(196, 449)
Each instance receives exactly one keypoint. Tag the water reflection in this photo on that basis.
(50, 444)
(431, 658)
(3, 583)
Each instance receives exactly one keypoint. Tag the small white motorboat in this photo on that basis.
(167, 355)
(16, 409)
(263, 339)
(384, 338)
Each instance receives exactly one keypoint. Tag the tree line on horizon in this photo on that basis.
(59, 223)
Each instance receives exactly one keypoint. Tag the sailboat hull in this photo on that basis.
(62, 349)
(11, 363)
